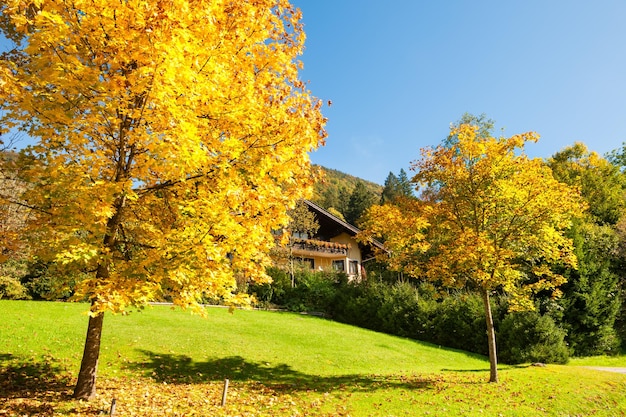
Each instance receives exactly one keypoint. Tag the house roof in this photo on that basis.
(330, 222)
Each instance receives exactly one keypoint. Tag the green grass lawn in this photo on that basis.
(169, 362)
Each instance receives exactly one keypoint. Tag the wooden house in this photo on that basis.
(334, 246)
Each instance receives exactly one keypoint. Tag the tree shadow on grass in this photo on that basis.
(28, 386)
(182, 369)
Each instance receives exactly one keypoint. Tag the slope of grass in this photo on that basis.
(307, 344)
(607, 361)
(169, 362)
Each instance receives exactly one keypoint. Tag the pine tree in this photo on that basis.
(360, 200)
(390, 191)
(405, 187)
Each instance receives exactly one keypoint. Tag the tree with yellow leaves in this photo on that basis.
(489, 219)
(171, 138)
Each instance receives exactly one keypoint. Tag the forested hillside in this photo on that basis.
(345, 195)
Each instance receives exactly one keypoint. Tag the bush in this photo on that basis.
(270, 293)
(459, 322)
(399, 312)
(314, 291)
(393, 308)
(49, 281)
(12, 289)
(602, 340)
(407, 310)
(530, 337)
(357, 303)
(11, 274)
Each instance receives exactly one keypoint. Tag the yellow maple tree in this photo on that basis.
(489, 219)
(171, 138)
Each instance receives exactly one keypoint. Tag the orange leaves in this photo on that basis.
(144, 397)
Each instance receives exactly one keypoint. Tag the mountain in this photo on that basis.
(335, 188)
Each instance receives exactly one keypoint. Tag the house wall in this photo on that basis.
(354, 254)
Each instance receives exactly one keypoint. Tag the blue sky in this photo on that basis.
(398, 72)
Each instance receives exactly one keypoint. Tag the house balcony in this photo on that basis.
(319, 248)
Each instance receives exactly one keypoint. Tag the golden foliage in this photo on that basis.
(402, 231)
(172, 136)
(491, 218)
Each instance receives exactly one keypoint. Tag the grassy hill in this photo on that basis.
(167, 362)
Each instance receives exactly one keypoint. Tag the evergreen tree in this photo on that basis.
(330, 197)
(396, 187)
(390, 190)
(360, 200)
(405, 187)
(343, 202)
(592, 302)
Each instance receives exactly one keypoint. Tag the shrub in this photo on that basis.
(459, 322)
(45, 281)
(12, 289)
(11, 274)
(399, 310)
(271, 293)
(357, 303)
(405, 309)
(531, 337)
(313, 291)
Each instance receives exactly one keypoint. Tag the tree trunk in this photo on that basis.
(86, 384)
(291, 266)
(491, 338)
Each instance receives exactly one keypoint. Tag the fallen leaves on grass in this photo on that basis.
(44, 390)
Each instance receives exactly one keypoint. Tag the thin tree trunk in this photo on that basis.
(291, 266)
(86, 384)
(491, 339)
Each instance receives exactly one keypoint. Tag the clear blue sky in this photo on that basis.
(398, 72)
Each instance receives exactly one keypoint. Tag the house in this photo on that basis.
(333, 246)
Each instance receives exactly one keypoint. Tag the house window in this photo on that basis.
(307, 261)
(300, 235)
(354, 268)
(339, 265)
